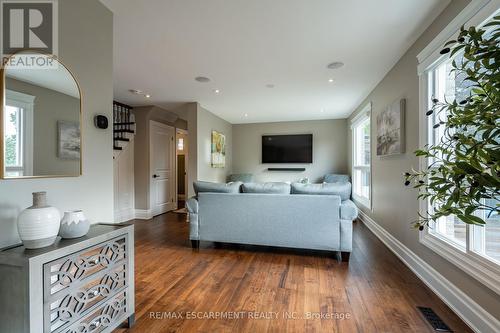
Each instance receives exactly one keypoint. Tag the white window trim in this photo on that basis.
(366, 112)
(26, 102)
(481, 268)
(473, 14)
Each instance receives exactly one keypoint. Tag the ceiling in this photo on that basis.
(160, 46)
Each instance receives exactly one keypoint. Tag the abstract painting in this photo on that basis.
(68, 140)
(390, 129)
(218, 150)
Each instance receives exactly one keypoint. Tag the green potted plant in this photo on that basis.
(463, 173)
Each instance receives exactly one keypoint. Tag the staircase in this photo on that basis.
(123, 127)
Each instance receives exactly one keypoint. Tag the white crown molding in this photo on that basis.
(467, 309)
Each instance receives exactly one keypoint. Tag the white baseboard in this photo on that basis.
(143, 214)
(467, 309)
(124, 215)
(128, 214)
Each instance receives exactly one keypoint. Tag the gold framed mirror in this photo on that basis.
(40, 118)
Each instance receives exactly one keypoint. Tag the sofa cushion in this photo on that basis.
(240, 177)
(266, 188)
(200, 186)
(341, 189)
(336, 178)
(348, 210)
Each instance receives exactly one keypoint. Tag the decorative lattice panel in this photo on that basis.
(70, 271)
(102, 318)
(74, 304)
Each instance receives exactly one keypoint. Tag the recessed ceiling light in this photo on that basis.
(216, 91)
(322, 110)
(202, 79)
(330, 80)
(335, 65)
(270, 85)
(139, 92)
(246, 115)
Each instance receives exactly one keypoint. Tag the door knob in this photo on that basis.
(155, 176)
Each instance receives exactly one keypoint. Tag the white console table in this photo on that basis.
(76, 285)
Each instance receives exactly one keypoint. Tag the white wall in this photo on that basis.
(124, 184)
(86, 48)
(208, 122)
(329, 149)
(200, 123)
(394, 205)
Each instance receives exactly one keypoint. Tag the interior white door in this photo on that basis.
(162, 162)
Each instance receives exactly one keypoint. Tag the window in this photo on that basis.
(485, 241)
(13, 141)
(18, 125)
(474, 249)
(180, 144)
(361, 170)
(444, 85)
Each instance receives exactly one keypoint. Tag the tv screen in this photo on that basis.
(287, 148)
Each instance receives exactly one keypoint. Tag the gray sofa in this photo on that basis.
(308, 216)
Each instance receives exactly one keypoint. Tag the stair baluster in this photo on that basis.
(123, 125)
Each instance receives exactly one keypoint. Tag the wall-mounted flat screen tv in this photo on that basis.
(287, 148)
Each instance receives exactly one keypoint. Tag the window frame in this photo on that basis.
(357, 120)
(480, 267)
(26, 103)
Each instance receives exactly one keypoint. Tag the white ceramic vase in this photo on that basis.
(38, 225)
(74, 224)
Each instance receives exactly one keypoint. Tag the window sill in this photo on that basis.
(362, 201)
(473, 264)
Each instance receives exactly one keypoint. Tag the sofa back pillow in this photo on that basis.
(336, 178)
(200, 186)
(341, 189)
(240, 177)
(266, 188)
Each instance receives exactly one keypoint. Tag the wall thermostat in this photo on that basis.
(101, 121)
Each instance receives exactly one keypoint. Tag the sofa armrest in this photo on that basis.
(346, 235)
(192, 207)
(336, 178)
(348, 213)
(348, 210)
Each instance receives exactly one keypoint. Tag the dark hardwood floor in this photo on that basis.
(374, 292)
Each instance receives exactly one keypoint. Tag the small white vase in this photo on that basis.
(38, 225)
(74, 224)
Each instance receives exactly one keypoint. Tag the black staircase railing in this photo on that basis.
(122, 124)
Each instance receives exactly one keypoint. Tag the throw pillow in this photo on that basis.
(266, 188)
(341, 189)
(200, 186)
